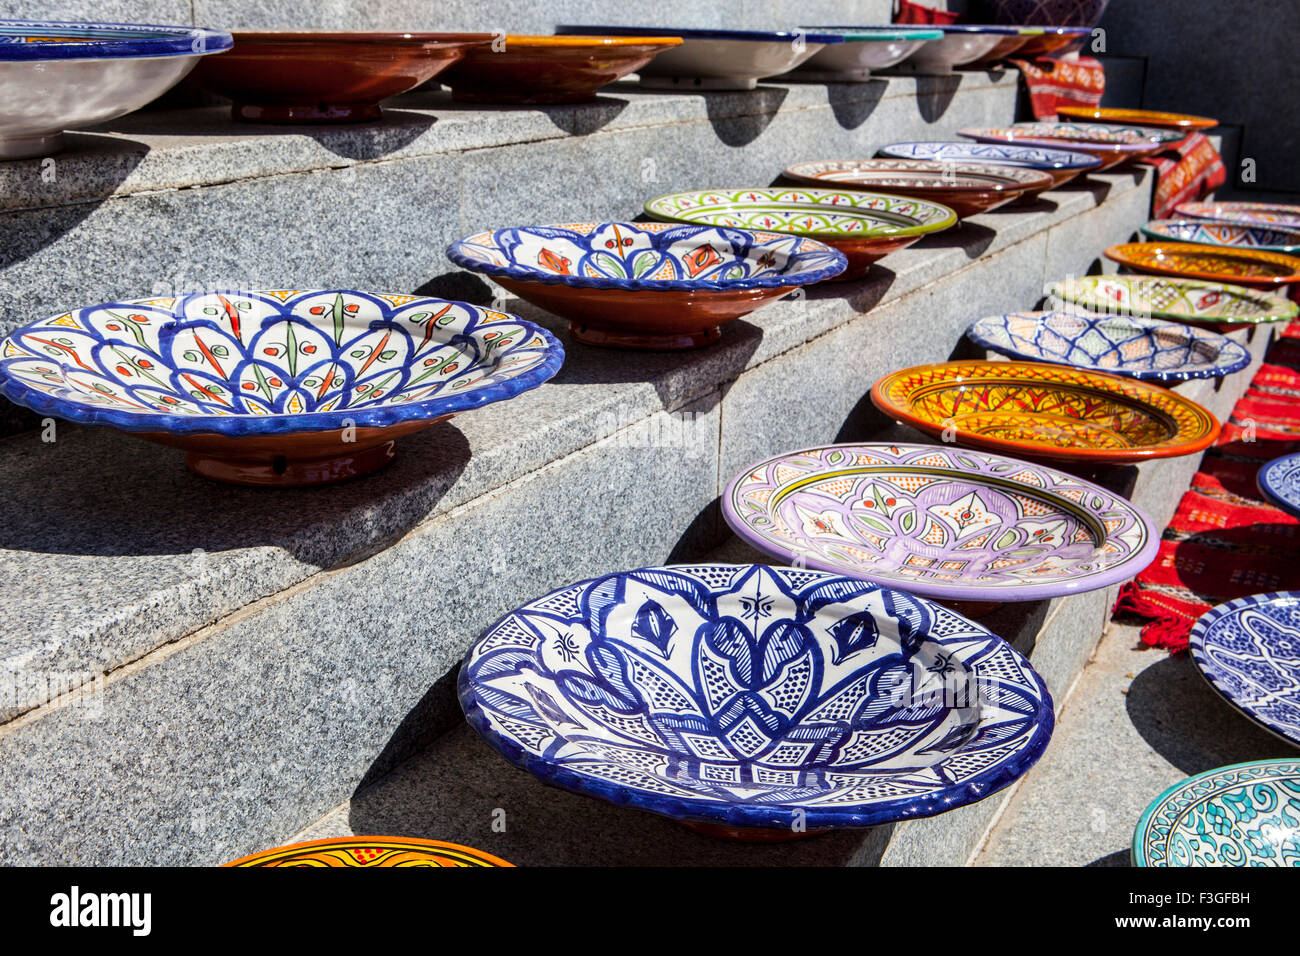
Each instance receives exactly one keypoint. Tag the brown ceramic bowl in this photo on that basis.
(548, 69)
(326, 77)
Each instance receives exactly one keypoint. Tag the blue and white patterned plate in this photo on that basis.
(1144, 349)
(1279, 482)
(1247, 814)
(1240, 235)
(57, 40)
(756, 697)
(1003, 154)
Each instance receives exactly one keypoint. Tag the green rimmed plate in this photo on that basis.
(1165, 297)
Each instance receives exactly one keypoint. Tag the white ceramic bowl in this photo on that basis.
(954, 49)
(862, 52)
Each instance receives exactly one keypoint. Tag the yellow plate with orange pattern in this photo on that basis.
(1155, 118)
(1046, 411)
(1256, 268)
(371, 851)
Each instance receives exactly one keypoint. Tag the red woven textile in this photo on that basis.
(1056, 83)
(907, 12)
(1224, 542)
(1188, 171)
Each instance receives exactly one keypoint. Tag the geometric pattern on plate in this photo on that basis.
(55, 40)
(1204, 262)
(1092, 133)
(1279, 481)
(1209, 232)
(756, 697)
(901, 173)
(1247, 814)
(1179, 299)
(1262, 213)
(264, 362)
(998, 153)
(370, 851)
(940, 521)
(1249, 651)
(1136, 348)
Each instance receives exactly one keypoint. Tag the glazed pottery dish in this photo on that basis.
(649, 285)
(1154, 119)
(968, 188)
(1256, 213)
(1006, 47)
(1240, 235)
(1242, 815)
(943, 523)
(1111, 144)
(1144, 349)
(56, 76)
(1255, 268)
(1061, 164)
(1249, 651)
(1057, 42)
(1046, 411)
(960, 45)
(1179, 300)
(327, 77)
(1082, 14)
(718, 59)
(548, 69)
(371, 851)
(862, 51)
(275, 387)
(863, 226)
(754, 702)
(1279, 482)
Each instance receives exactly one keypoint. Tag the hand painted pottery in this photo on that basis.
(327, 77)
(1249, 651)
(1279, 482)
(961, 45)
(719, 59)
(56, 76)
(648, 285)
(1256, 213)
(968, 188)
(1004, 48)
(1061, 164)
(1180, 300)
(1249, 267)
(1046, 411)
(274, 388)
(943, 523)
(1058, 42)
(1208, 232)
(1111, 144)
(1082, 14)
(862, 51)
(1156, 119)
(1247, 814)
(548, 69)
(863, 226)
(371, 851)
(1150, 351)
(756, 701)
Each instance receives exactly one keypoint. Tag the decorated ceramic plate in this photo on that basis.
(1110, 144)
(1262, 213)
(863, 226)
(862, 51)
(1252, 267)
(274, 387)
(1156, 119)
(969, 188)
(1136, 348)
(1061, 164)
(1208, 232)
(1053, 41)
(1242, 815)
(763, 703)
(1249, 651)
(1279, 482)
(647, 285)
(371, 851)
(1180, 300)
(1046, 411)
(944, 523)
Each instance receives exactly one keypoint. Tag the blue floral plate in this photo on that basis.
(1247, 814)
(1137, 348)
(1279, 482)
(751, 697)
(1239, 235)
(1062, 164)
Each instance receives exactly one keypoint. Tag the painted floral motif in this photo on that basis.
(756, 696)
(1233, 234)
(1279, 480)
(1261, 213)
(1200, 262)
(997, 153)
(1180, 299)
(1244, 815)
(939, 522)
(1107, 133)
(883, 173)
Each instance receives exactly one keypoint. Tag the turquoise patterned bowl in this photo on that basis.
(1240, 235)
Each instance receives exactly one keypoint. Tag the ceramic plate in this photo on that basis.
(1260, 213)
(1180, 300)
(863, 226)
(1111, 144)
(753, 697)
(944, 523)
(969, 188)
(372, 852)
(1208, 232)
(261, 387)
(1062, 165)
(1253, 267)
(862, 52)
(958, 45)
(1136, 348)
(649, 285)
(1054, 41)
(1046, 411)
(1249, 651)
(1242, 815)
(1155, 119)
(1279, 482)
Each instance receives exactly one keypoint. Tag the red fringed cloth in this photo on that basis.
(1188, 171)
(1224, 542)
(1056, 83)
(907, 12)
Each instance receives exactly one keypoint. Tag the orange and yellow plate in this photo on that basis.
(1157, 119)
(1256, 268)
(371, 851)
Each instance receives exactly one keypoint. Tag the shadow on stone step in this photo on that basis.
(970, 237)
(853, 103)
(934, 94)
(762, 105)
(1118, 858)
